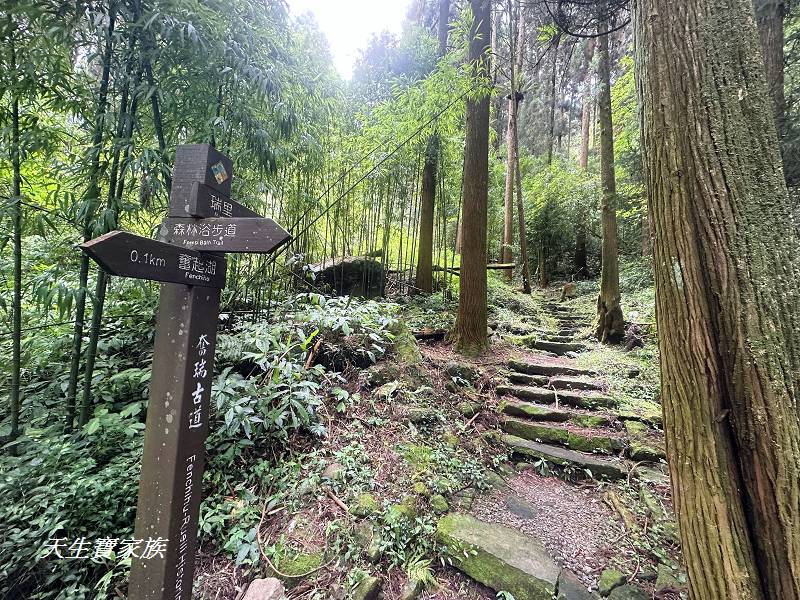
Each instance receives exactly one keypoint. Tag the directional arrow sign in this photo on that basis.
(205, 201)
(238, 234)
(128, 255)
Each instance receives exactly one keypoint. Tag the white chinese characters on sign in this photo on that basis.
(200, 372)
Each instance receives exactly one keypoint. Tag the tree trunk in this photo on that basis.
(610, 323)
(115, 188)
(424, 277)
(551, 119)
(506, 255)
(769, 16)
(583, 157)
(523, 239)
(469, 332)
(16, 218)
(727, 278)
(92, 197)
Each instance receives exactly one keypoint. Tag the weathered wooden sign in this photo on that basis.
(200, 163)
(205, 201)
(128, 255)
(238, 234)
(183, 362)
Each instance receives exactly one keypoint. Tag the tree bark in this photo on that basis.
(583, 156)
(424, 275)
(469, 333)
(506, 254)
(727, 278)
(610, 323)
(769, 16)
(523, 235)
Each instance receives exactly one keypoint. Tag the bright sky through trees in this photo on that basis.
(348, 24)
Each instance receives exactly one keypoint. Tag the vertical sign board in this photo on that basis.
(171, 482)
(174, 446)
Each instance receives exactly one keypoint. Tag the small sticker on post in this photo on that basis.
(220, 174)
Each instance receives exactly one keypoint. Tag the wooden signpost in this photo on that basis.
(183, 361)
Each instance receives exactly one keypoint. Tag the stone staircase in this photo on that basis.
(554, 410)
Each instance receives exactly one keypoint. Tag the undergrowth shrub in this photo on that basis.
(84, 485)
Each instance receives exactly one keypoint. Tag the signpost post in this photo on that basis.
(186, 329)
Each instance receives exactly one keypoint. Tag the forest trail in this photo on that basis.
(541, 538)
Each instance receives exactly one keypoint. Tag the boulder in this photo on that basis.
(501, 558)
(265, 589)
(609, 580)
(350, 276)
(463, 371)
(439, 504)
(365, 505)
(412, 589)
(666, 580)
(368, 589)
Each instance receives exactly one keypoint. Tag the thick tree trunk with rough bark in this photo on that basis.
(769, 16)
(610, 323)
(469, 333)
(727, 296)
(583, 156)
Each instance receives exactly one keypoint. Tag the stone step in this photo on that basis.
(525, 379)
(539, 412)
(546, 396)
(602, 441)
(499, 557)
(575, 383)
(571, 331)
(609, 467)
(559, 348)
(518, 408)
(557, 338)
(547, 368)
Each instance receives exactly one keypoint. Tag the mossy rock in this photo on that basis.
(468, 408)
(365, 505)
(405, 345)
(405, 510)
(421, 489)
(439, 504)
(494, 480)
(610, 579)
(463, 371)
(294, 568)
(450, 439)
(499, 557)
(666, 580)
(368, 589)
